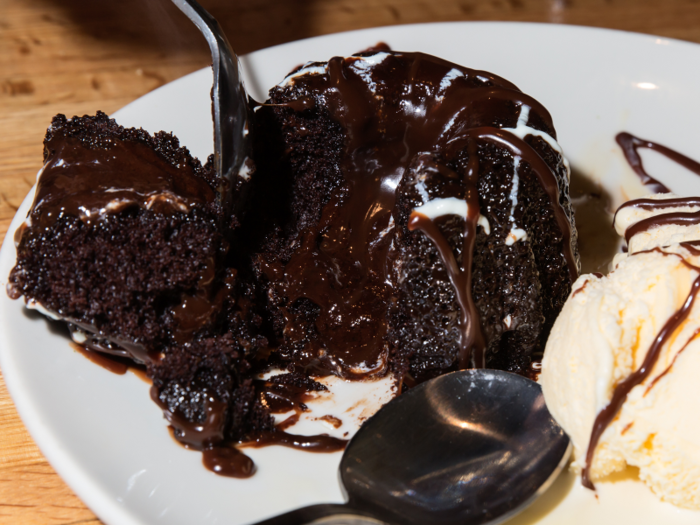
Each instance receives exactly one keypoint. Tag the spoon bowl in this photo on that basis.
(471, 447)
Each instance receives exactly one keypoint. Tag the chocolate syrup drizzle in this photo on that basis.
(393, 108)
(662, 219)
(607, 414)
(91, 182)
(629, 145)
(208, 434)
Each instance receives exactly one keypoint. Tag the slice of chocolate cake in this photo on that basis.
(413, 215)
(126, 241)
(123, 237)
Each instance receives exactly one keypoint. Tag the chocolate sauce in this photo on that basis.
(660, 204)
(113, 345)
(607, 414)
(319, 443)
(677, 218)
(196, 434)
(471, 338)
(630, 146)
(200, 309)
(580, 289)
(89, 182)
(287, 423)
(283, 397)
(695, 335)
(393, 108)
(112, 364)
(228, 461)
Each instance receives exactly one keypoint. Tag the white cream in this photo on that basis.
(450, 206)
(78, 336)
(247, 169)
(522, 130)
(447, 206)
(33, 304)
(310, 68)
(516, 234)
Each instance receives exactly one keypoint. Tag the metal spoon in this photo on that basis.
(470, 447)
(229, 98)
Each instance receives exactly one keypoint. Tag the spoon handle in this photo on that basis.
(340, 514)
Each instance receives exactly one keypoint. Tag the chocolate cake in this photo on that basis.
(126, 241)
(406, 216)
(417, 218)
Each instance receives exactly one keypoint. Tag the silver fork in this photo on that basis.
(229, 98)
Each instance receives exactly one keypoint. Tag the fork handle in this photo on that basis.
(229, 99)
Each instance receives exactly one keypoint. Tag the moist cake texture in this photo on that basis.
(406, 216)
(361, 144)
(126, 242)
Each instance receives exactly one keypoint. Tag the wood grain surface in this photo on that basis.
(79, 56)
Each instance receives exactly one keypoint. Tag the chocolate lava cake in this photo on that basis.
(412, 215)
(406, 215)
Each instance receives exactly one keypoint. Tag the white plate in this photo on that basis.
(108, 440)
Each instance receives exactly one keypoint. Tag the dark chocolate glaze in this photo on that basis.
(392, 109)
(90, 182)
(113, 346)
(607, 414)
(122, 239)
(660, 204)
(471, 338)
(692, 338)
(630, 144)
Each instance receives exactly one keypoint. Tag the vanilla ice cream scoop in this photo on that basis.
(602, 337)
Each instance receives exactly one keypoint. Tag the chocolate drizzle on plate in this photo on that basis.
(207, 434)
(630, 146)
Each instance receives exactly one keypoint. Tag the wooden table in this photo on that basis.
(78, 56)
